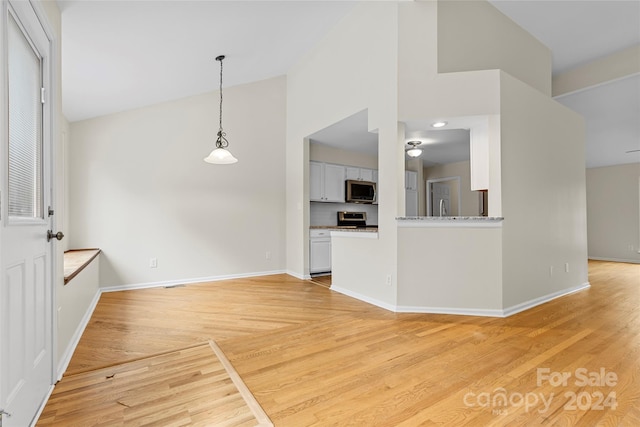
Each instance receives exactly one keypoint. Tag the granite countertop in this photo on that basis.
(349, 228)
(450, 218)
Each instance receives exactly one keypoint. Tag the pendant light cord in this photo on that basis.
(221, 92)
(221, 142)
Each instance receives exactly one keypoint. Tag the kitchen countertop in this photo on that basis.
(348, 228)
(450, 221)
(450, 218)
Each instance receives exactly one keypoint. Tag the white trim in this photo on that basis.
(485, 312)
(63, 363)
(428, 184)
(363, 298)
(187, 281)
(298, 276)
(42, 406)
(597, 258)
(543, 299)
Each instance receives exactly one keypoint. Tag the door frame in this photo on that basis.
(51, 157)
(436, 180)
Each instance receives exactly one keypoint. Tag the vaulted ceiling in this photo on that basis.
(119, 55)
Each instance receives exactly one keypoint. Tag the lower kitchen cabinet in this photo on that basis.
(319, 251)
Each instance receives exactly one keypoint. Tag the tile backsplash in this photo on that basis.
(327, 213)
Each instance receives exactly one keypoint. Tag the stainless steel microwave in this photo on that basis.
(360, 191)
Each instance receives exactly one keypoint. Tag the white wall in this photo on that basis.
(139, 188)
(613, 213)
(352, 69)
(543, 194)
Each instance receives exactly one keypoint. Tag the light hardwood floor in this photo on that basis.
(311, 356)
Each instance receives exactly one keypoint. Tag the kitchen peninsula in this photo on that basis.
(460, 268)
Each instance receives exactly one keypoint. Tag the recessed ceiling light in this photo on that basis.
(439, 124)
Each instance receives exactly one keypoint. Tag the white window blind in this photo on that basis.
(25, 126)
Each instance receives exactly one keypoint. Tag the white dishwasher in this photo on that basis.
(319, 251)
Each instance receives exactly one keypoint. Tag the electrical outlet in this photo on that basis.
(389, 279)
(267, 255)
(153, 262)
(550, 270)
(566, 267)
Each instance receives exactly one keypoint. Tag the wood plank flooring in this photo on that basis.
(195, 386)
(311, 356)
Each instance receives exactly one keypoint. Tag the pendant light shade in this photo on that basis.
(414, 151)
(221, 155)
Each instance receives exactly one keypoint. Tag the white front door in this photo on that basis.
(26, 361)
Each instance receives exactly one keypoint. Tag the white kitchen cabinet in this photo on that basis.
(326, 182)
(359, 174)
(479, 156)
(411, 180)
(411, 203)
(352, 172)
(319, 251)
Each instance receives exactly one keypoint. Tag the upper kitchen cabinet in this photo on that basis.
(360, 174)
(326, 182)
(411, 180)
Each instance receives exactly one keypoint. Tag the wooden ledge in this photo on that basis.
(75, 260)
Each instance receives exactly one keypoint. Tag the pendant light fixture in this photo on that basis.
(414, 151)
(220, 155)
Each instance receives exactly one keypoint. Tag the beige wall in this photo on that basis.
(469, 199)
(327, 154)
(604, 70)
(467, 43)
(460, 269)
(139, 188)
(543, 194)
(613, 212)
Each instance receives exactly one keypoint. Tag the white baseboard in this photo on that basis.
(164, 283)
(298, 276)
(485, 312)
(364, 298)
(509, 311)
(73, 343)
(632, 261)
(462, 311)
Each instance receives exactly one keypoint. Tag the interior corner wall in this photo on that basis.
(543, 195)
(474, 35)
(613, 212)
(424, 92)
(353, 68)
(139, 188)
